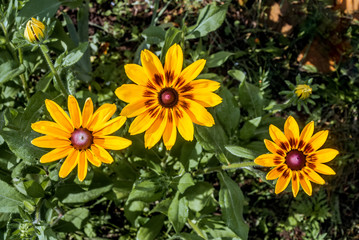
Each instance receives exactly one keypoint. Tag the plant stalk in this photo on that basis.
(22, 77)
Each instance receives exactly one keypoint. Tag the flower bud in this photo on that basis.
(34, 31)
(303, 91)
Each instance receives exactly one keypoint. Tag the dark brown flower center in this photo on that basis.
(295, 160)
(81, 138)
(168, 97)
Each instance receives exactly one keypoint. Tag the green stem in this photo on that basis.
(22, 77)
(57, 78)
(8, 44)
(196, 229)
(226, 167)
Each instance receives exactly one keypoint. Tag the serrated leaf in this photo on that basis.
(10, 198)
(230, 198)
(178, 212)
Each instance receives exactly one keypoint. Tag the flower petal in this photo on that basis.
(59, 115)
(51, 129)
(135, 109)
(74, 110)
(283, 181)
(173, 63)
(87, 113)
(69, 163)
(279, 138)
(155, 132)
(276, 172)
(184, 124)
(321, 168)
(56, 154)
(136, 73)
(82, 166)
(190, 73)
(291, 131)
(269, 160)
(205, 85)
(170, 133)
(50, 142)
(323, 155)
(130, 92)
(101, 154)
(313, 176)
(273, 148)
(305, 135)
(306, 185)
(198, 113)
(143, 122)
(92, 158)
(316, 141)
(295, 183)
(112, 142)
(153, 68)
(101, 116)
(111, 126)
(207, 99)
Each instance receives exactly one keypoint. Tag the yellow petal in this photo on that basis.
(191, 72)
(291, 131)
(51, 129)
(295, 183)
(111, 126)
(82, 166)
(305, 135)
(155, 132)
(38, 32)
(153, 68)
(74, 110)
(279, 138)
(112, 142)
(170, 133)
(69, 163)
(136, 73)
(313, 176)
(59, 115)
(50, 142)
(56, 154)
(184, 124)
(269, 160)
(101, 154)
(135, 109)
(321, 168)
(87, 113)
(273, 148)
(130, 92)
(101, 116)
(204, 84)
(198, 113)
(276, 172)
(92, 159)
(143, 122)
(283, 181)
(323, 155)
(316, 141)
(306, 185)
(38, 23)
(207, 99)
(173, 63)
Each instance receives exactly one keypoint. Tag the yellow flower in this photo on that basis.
(167, 99)
(34, 31)
(81, 137)
(303, 91)
(296, 157)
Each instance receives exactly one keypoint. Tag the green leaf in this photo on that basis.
(147, 190)
(73, 220)
(187, 236)
(9, 71)
(178, 212)
(249, 127)
(241, 152)
(237, 74)
(133, 209)
(228, 109)
(199, 195)
(10, 198)
(154, 35)
(217, 59)
(185, 182)
(75, 55)
(39, 9)
(151, 229)
(210, 19)
(34, 189)
(173, 35)
(231, 201)
(251, 99)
